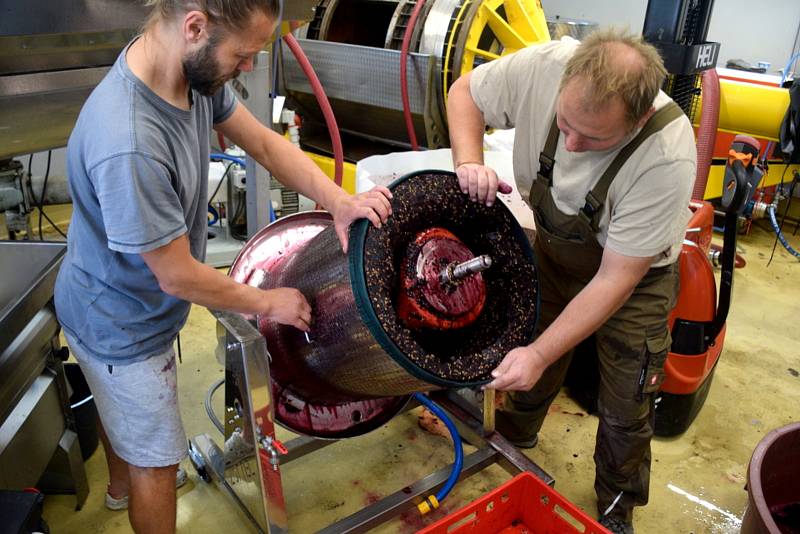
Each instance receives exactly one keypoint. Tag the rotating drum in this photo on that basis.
(360, 361)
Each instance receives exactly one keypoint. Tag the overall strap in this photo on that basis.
(596, 197)
(547, 158)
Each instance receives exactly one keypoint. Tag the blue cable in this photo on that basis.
(771, 209)
(226, 157)
(458, 446)
(774, 221)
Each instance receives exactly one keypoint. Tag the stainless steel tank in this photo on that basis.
(357, 366)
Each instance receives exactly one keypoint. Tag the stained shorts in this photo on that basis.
(138, 406)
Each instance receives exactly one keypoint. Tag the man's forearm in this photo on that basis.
(466, 124)
(206, 286)
(585, 313)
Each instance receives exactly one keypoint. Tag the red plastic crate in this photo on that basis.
(523, 505)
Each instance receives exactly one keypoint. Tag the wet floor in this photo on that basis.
(697, 479)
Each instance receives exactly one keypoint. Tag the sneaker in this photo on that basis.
(616, 524)
(116, 504)
(181, 478)
(237, 448)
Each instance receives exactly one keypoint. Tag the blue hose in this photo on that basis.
(214, 215)
(225, 157)
(459, 454)
(774, 221)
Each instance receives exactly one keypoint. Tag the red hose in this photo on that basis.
(707, 131)
(412, 21)
(221, 140)
(324, 104)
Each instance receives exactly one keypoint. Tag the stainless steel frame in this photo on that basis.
(250, 471)
(243, 468)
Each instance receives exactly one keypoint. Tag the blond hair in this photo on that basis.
(617, 64)
(233, 14)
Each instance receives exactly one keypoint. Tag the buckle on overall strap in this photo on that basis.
(590, 209)
(546, 164)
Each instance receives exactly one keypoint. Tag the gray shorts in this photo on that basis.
(138, 405)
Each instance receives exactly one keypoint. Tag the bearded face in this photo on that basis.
(203, 71)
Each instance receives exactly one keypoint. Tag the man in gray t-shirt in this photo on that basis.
(138, 173)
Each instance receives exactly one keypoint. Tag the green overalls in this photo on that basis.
(632, 345)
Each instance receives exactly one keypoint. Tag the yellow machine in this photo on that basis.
(748, 109)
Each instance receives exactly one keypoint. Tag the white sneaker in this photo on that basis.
(236, 449)
(181, 478)
(116, 504)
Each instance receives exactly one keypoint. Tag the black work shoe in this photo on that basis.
(616, 524)
(525, 443)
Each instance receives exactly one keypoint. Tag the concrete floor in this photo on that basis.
(697, 481)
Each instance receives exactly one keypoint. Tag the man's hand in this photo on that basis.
(288, 306)
(373, 205)
(519, 370)
(480, 183)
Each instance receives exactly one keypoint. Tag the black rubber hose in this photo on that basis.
(209, 410)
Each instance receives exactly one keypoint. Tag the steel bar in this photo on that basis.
(396, 503)
(457, 271)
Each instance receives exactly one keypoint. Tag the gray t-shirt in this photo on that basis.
(646, 211)
(138, 175)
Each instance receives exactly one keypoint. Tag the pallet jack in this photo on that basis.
(697, 323)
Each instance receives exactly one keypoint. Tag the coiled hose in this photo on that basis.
(209, 409)
(431, 502)
(774, 221)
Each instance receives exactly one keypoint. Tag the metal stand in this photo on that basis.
(248, 465)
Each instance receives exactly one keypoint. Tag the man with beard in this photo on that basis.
(138, 173)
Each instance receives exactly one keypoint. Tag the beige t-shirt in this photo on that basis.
(646, 211)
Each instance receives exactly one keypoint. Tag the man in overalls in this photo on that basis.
(606, 162)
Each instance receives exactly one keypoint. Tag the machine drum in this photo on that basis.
(460, 329)
(434, 298)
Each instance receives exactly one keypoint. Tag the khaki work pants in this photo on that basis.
(632, 347)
